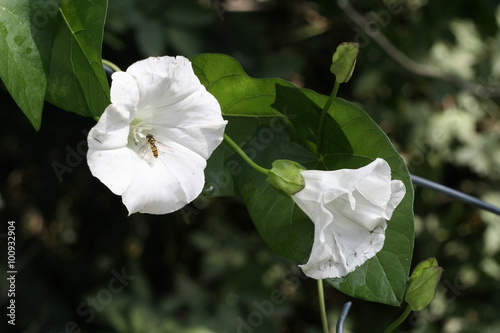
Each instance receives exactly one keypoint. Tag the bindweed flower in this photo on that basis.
(349, 209)
(151, 143)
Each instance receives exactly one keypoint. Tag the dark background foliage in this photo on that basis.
(205, 268)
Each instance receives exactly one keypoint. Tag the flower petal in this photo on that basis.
(165, 184)
(108, 157)
(350, 209)
(124, 91)
(198, 125)
(191, 117)
(398, 191)
(113, 167)
(112, 129)
(374, 186)
(139, 191)
(345, 247)
(202, 140)
(163, 81)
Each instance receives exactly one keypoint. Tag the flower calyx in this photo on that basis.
(285, 177)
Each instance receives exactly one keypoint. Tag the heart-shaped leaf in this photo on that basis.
(22, 68)
(76, 80)
(351, 139)
(52, 50)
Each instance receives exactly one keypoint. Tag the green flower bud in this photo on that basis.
(285, 177)
(344, 61)
(422, 284)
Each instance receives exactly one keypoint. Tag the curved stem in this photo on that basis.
(322, 307)
(398, 321)
(244, 156)
(323, 115)
(111, 65)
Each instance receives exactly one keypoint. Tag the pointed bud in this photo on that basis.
(422, 284)
(285, 177)
(344, 60)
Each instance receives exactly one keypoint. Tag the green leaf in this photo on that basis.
(52, 50)
(422, 284)
(237, 93)
(23, 24)
(279, 221)
(239, 96)
(76, 80)
(351, 140)
(344, 61)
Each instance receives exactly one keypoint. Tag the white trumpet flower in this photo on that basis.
(349, 209)
(151, 143)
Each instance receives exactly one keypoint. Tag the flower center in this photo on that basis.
(137, 128)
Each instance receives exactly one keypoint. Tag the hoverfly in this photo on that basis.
(153, 145)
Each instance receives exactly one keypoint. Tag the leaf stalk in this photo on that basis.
(321, 126)
(400, 319)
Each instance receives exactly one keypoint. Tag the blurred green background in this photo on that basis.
(428, 72)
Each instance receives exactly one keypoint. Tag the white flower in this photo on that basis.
(160, 97)
(349, 209)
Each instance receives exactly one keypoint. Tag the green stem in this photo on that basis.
(398, 321)
(111, 65)
(321, 294)
(323, 115)
(247, 159)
